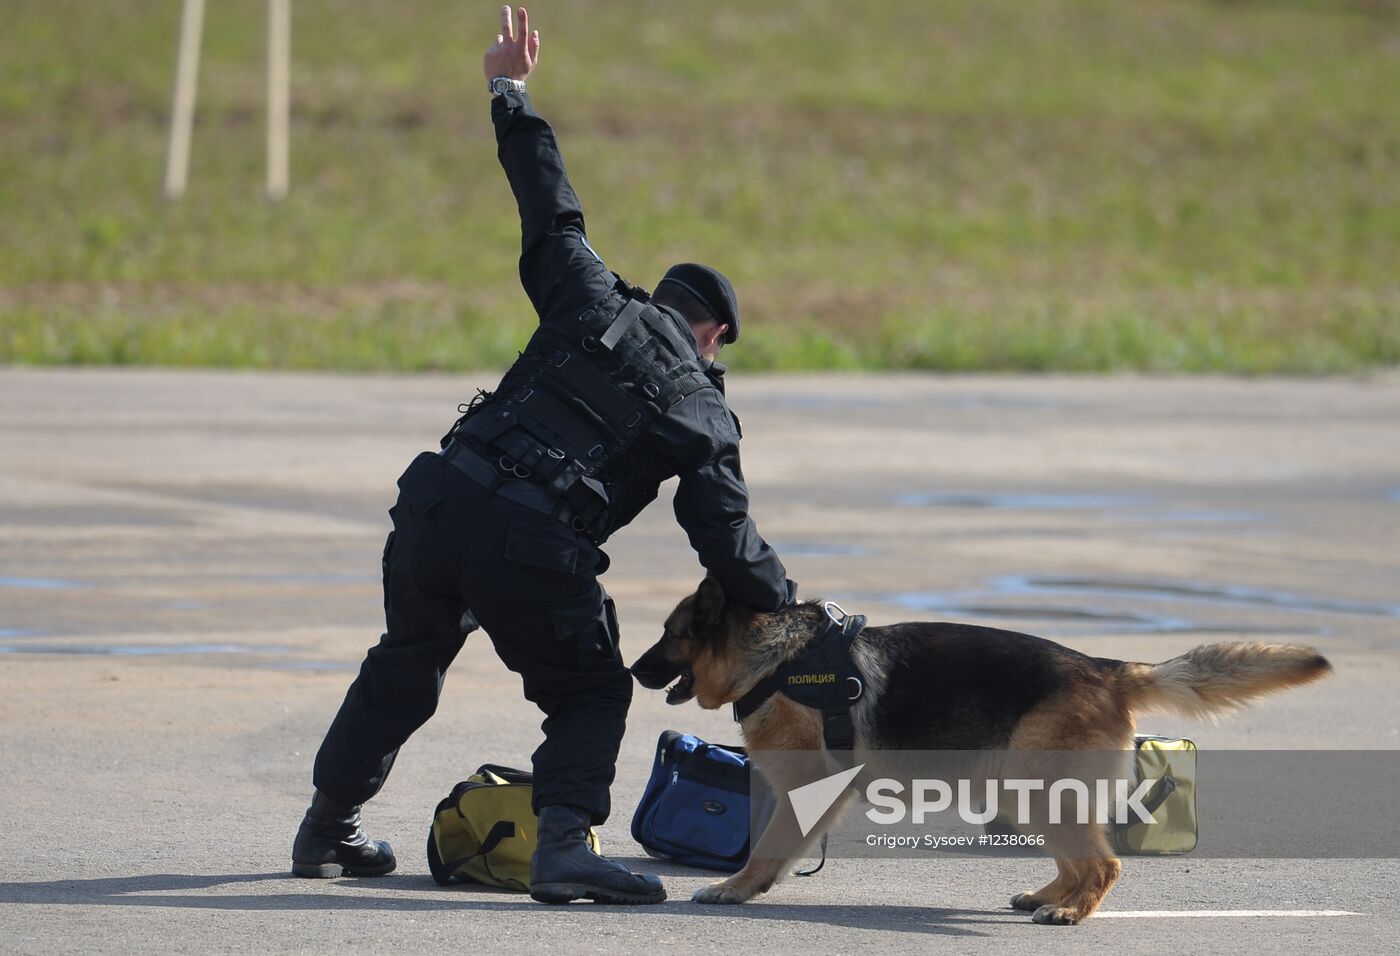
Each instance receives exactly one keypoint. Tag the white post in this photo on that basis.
(279, 56)
(177, 159)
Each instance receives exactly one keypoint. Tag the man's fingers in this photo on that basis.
(507, 24)
(523, 34)
(534, 45)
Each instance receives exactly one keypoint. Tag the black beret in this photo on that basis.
(712, 289)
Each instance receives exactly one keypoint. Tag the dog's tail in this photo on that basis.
(1214, 680)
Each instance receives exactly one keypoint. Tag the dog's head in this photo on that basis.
(695, 650)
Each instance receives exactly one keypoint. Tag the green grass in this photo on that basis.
(1173, 185)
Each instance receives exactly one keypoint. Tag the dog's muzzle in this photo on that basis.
(655, 670)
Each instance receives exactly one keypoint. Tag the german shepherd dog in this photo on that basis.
(949, 687)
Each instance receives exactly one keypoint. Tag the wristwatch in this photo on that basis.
(504, 84)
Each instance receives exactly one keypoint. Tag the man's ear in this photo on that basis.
(709, 603)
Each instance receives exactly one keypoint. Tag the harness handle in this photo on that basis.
(830, 607)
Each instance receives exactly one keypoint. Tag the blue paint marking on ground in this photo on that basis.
(140, 650)
(1134, 507)
(1024, 501)
(1164, 590)
(40, 584)
(1003, 601)
(973, 606)
(812, 549)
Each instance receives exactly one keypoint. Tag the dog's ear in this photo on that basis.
(709, 604)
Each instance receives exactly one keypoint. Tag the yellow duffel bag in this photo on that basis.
(1171, 761)
(484, 831)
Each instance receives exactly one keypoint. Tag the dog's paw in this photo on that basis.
(720, 893)
(1052, 915)
(1025, 901)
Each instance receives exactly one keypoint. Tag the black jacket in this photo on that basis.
(697, 439)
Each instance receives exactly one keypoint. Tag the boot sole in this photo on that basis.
(326, 871)
(555, 893)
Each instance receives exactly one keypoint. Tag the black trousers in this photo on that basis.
(531, 583)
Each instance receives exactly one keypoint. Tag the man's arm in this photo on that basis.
(559, 270)
(712, 505)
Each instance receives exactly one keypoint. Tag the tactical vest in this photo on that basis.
(585, 388)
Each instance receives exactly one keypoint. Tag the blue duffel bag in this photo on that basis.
(697, 804)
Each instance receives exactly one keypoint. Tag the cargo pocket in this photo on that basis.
(421, 486)
(587, 627)
(424, 548)
(540, 551)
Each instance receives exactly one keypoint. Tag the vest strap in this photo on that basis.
(838, 730)
(621, 324)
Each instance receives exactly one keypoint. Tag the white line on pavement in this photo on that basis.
(1198, 914)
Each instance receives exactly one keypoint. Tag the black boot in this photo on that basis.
(331, 842)
(565, 868)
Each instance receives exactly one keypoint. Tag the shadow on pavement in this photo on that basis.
(182, 891)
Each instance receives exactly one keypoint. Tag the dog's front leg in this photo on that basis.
(789, 736)
(778, 849)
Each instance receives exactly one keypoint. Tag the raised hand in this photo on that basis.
(516, 49)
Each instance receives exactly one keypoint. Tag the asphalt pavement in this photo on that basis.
(189, 576)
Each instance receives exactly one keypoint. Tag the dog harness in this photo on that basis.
(823, 676)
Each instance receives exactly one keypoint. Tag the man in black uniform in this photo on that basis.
(615, 393)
